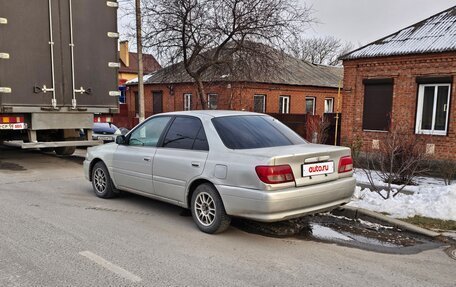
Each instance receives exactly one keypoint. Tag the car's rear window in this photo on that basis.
(248, 132)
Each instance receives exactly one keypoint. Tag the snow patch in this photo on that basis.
(135, 80)
(327, 233)
(430, 198)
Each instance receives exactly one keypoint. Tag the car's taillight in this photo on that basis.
(275, 173)
(345, 164)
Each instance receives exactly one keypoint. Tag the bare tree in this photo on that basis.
(397, 160)
(317, 129)
(198, 32)
(323, 50)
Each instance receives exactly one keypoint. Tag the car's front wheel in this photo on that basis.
(208, 211)
(101, 181)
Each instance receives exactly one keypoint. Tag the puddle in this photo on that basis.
(282, 229)
(11, 166)
(355, 233)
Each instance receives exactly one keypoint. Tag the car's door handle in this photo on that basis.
(147, 159)
(195, 164)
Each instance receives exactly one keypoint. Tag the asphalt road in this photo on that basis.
(55, 232)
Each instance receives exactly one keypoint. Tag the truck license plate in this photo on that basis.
(15, 126)
(317, 168)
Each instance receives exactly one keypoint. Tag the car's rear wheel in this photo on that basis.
(208, 211)
(101, 181)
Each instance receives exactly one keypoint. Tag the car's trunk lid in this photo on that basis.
(311, 163)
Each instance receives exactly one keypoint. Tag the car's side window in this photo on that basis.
(186, 133)
(148, 134)
(201, 141)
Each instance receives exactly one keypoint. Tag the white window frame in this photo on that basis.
(285, 104)
(264, 102)
(187, 102)
(331, 105)
(314, 101)
(419, 112)
(209, 101)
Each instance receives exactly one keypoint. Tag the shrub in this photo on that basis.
(447, 170)
(398, 159)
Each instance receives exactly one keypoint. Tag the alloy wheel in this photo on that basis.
(100, 181)
(205, 208)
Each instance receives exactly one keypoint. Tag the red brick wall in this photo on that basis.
(238, 97)
(404, 70)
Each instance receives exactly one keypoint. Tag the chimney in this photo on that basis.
(124, 53)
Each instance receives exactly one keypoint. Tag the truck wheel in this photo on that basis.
(101, 181)
(208, 211)
(47, 149)
(65, 150)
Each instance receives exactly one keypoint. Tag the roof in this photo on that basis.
(286, 70)
(214, 113)
(432, 35)
(150, 64)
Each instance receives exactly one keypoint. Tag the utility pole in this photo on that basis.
(337, 112)
(140, 61)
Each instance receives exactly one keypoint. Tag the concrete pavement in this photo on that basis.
(55, 232)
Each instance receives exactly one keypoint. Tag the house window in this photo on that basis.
(187, 102)
(378, 99)
(259, 103)
(329, 105)
(212, 101)
(310, 105)
(284, 104)
(432, 111)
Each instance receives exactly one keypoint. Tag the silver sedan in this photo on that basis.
(221, 164)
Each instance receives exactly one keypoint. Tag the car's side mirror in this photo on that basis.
(121, 139)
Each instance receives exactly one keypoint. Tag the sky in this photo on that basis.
(360, 21)
(364, 21)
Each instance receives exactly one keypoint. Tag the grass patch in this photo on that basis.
(431, 223)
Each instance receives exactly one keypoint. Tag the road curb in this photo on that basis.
(356, 212)
(364, 185)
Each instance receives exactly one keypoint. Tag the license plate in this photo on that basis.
(15, 126)
(106, 138)
(317, 168)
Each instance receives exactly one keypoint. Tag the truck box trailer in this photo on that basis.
(58, 68)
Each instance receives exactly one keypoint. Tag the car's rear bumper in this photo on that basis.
(279, 205)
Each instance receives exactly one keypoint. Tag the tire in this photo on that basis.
(208, 211)
(101, 181)
(65, 150)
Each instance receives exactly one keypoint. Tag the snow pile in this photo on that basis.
(430, 199)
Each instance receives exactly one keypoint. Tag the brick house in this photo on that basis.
(406, 79)
(290, 86)
(129, 65)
